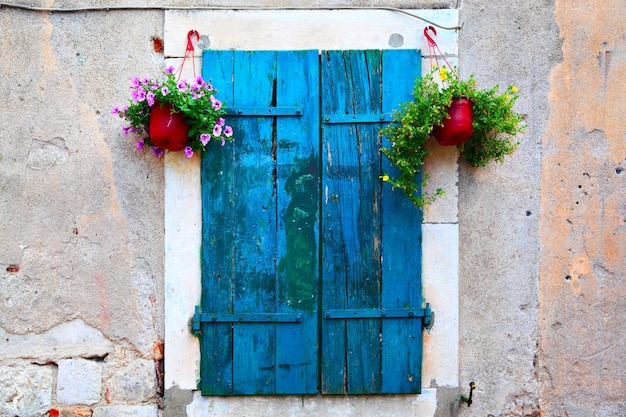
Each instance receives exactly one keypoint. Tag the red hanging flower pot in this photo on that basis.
(168, 130)
(458, 128)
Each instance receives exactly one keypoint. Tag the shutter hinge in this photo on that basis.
(426, 314)
(357, 118)
(221, 318)
(272, 111)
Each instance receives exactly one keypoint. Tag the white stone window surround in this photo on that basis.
(310, 29)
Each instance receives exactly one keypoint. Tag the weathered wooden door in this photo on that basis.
(311, 265)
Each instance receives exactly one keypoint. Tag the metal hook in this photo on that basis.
(468, 400)
(189, 42)
(431, 41)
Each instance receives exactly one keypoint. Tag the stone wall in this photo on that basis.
(81, 218)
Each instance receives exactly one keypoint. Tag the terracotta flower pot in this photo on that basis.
(168, 130)
(458, 128)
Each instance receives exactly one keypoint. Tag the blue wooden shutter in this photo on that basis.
(269, 301)
(371, 240)
(260, 227)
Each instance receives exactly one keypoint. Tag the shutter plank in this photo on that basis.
(351, 227)
(339, 235)
(402, 338)
(254, 241)
(216, 365)
(298, 214)
(364, 364)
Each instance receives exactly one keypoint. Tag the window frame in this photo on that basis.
(333, 30)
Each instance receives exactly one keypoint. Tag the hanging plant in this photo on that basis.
(174, 115)
(481, 122)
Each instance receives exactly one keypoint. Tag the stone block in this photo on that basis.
(25, 390)
(72, 412)
(134, 383)
(126, 411)
(67, 340)
(79, 382)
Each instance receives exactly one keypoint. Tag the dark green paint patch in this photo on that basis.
(299, 264)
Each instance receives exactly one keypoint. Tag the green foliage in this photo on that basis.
(495, 125)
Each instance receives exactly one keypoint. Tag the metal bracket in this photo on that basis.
(357, 118)
(221, 318)
(425, 314)
(265, 111)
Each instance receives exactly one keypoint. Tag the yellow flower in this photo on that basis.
(514, 89)
(385, 177)
(443, 73)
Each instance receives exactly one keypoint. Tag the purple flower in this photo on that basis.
(125, 130)
(228, 131)
(217, 130)
(138, 95)
(188, 151)
(221, 121)
(165, 91)
(134, 82)
(150, 98)
(155, 86)
(223, 141)
(158, 152)
(169, 70)
(139, 144)
(205, 138)
(182, 85)
(215, 103)
(200, 81)
(115, 110)
(199, 95)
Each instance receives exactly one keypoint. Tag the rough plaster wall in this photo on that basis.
(499, 210)
(81, 212)
(583, 228)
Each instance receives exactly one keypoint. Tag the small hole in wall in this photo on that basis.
(528, 213)
(568, 278)
(619, 170)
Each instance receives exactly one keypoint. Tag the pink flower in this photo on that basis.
(200, 81)
(139, 144)
(115, 110)
(217, 130)
(228, 131)
(215, 103)
(188, 151)
(134, 82)
(221, 121)
(158, 152)
(150, 98)
(205, 138)
(169, 70)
